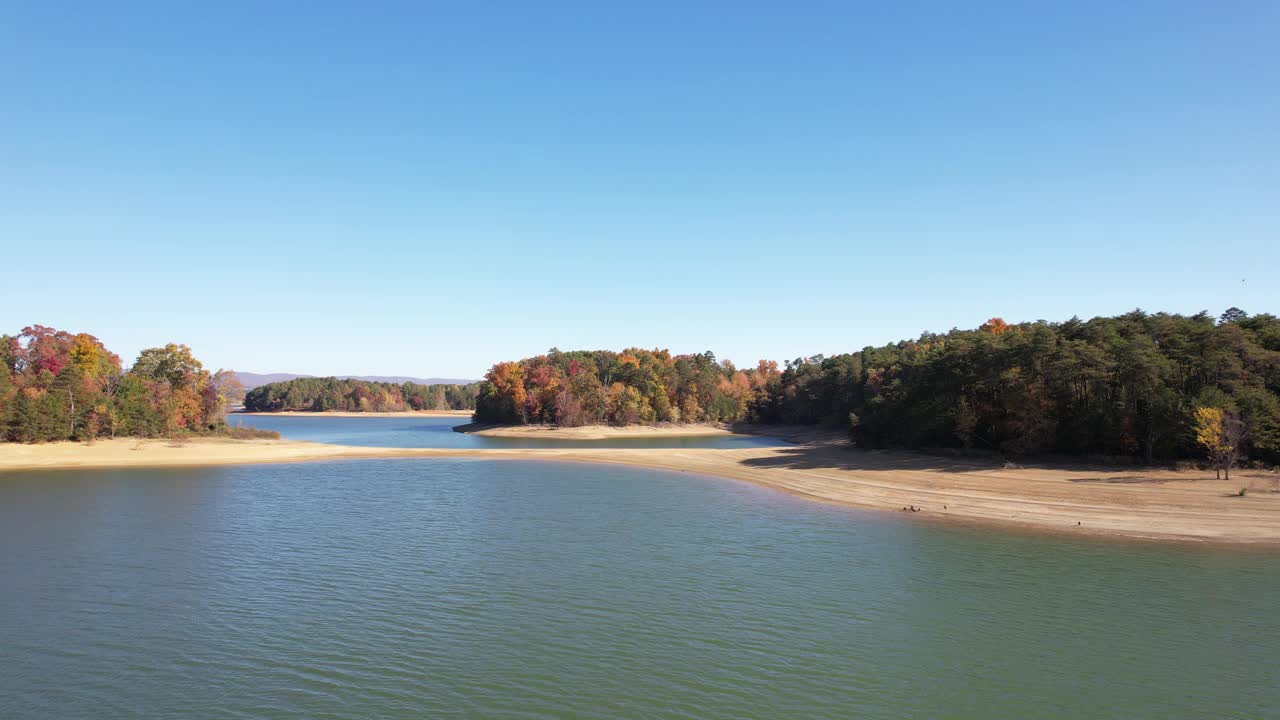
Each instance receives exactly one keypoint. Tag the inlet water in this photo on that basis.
(483, 589)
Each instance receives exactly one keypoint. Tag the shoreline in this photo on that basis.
(1162, 505)
(346, 413)
(591, 432)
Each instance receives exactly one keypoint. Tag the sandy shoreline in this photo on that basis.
(1159, 504)
(591, 432)
(341, 413)
(133, 452)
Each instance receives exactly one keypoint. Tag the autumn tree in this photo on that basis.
(228, 386)
(1221, 433)
(503, 397)
(633, 386)
(995, 326)
(179, 385)
(56, 385)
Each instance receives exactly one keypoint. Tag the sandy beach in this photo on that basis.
(341, 413)
(1152, 504)
(133, 452)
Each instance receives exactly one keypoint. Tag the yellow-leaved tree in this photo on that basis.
(1221, 433)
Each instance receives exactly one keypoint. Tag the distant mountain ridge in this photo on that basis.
(253, 380)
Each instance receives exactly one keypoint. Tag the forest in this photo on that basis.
(634, 386)
(55, 385)
(1127, 386)
(1142, 386)
(328, 393)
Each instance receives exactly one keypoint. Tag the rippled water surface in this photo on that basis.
(438, 432)
(481, 589)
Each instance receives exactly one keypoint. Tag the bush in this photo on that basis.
(238, 432)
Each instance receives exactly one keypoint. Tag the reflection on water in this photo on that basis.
(471, 588)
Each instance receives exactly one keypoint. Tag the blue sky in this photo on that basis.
(426, 189)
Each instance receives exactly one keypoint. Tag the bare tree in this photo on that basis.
(1235, 431)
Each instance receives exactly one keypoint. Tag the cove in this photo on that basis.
(474, 588)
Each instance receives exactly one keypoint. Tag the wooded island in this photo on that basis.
(348, 395)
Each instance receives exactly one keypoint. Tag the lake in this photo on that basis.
(459, 588)
(437, 432)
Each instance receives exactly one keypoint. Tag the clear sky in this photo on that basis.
(425, 188)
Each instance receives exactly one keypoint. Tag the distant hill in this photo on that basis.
(253, 380)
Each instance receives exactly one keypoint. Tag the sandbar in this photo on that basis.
(1132, 503)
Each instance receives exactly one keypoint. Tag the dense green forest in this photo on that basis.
(1120, 386)
(320, 394)
(55, 385)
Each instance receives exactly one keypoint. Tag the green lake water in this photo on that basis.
(485, 589)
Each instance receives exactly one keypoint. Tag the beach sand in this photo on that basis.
(1152, 504)
(133, 452)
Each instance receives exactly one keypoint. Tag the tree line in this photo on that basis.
(329, 393)
(1148, 386)
(55, 385)
(1131, 385)
(1120, 386)
(587, 387)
